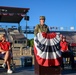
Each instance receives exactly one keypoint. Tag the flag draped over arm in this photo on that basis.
(46, 49)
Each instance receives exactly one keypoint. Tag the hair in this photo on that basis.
(64, 37)
(3, 35)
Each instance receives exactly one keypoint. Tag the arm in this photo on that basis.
(2, 50)
(66, 46)
(9, 44)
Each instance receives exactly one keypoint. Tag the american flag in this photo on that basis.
(47, 50)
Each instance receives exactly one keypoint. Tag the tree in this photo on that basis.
(31, 42)
(28, 42)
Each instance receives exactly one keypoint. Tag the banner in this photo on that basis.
(47, 49)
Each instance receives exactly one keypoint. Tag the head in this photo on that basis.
(61, 37)
(3, 38)
(64, 38)
(42, 20)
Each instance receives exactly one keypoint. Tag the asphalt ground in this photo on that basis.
(30, 71)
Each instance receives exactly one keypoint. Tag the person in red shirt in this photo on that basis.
(66, 52)
(5, 45)
(64, 45)
(5, 53)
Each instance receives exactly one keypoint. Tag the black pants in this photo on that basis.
(66, 55)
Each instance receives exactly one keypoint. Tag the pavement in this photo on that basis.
(30, 71)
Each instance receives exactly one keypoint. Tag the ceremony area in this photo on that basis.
(38, 37)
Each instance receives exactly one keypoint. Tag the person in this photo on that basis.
(66, 52)
(42, 27)
(43, 47)
(5, 53)
(61, 37)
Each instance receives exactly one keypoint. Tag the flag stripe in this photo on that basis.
(47, 41)
(48, 55)
(47, 62)
(47, 50)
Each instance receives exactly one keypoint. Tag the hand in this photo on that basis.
(0, 49)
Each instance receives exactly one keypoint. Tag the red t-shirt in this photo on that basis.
(5, 45)
(64, 45)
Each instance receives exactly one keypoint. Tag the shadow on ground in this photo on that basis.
(69, 72)
(19, 71)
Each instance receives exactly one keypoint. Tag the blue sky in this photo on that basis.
(59, 13)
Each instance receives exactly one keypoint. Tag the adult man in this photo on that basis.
(66, 52)
(42, 27)
(5, 53)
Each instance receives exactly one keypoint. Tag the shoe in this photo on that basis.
(4, 65)
(9, 71)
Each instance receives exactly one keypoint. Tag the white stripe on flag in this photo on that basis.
(47, 55)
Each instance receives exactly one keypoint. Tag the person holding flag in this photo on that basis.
(46, 45)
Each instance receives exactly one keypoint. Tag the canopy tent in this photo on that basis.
(12, 14)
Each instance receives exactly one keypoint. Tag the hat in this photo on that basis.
(42, 17)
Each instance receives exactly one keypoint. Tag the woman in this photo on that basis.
(66, 52)
(5, 53)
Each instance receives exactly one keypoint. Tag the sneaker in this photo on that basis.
(4, 65)
(10, 71)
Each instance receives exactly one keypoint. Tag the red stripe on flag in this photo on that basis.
(49, 35)
(47, 62)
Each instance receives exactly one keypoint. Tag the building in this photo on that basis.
(13, 15)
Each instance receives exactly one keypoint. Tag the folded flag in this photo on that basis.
(47, 49)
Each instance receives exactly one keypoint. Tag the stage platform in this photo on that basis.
(30, 71)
